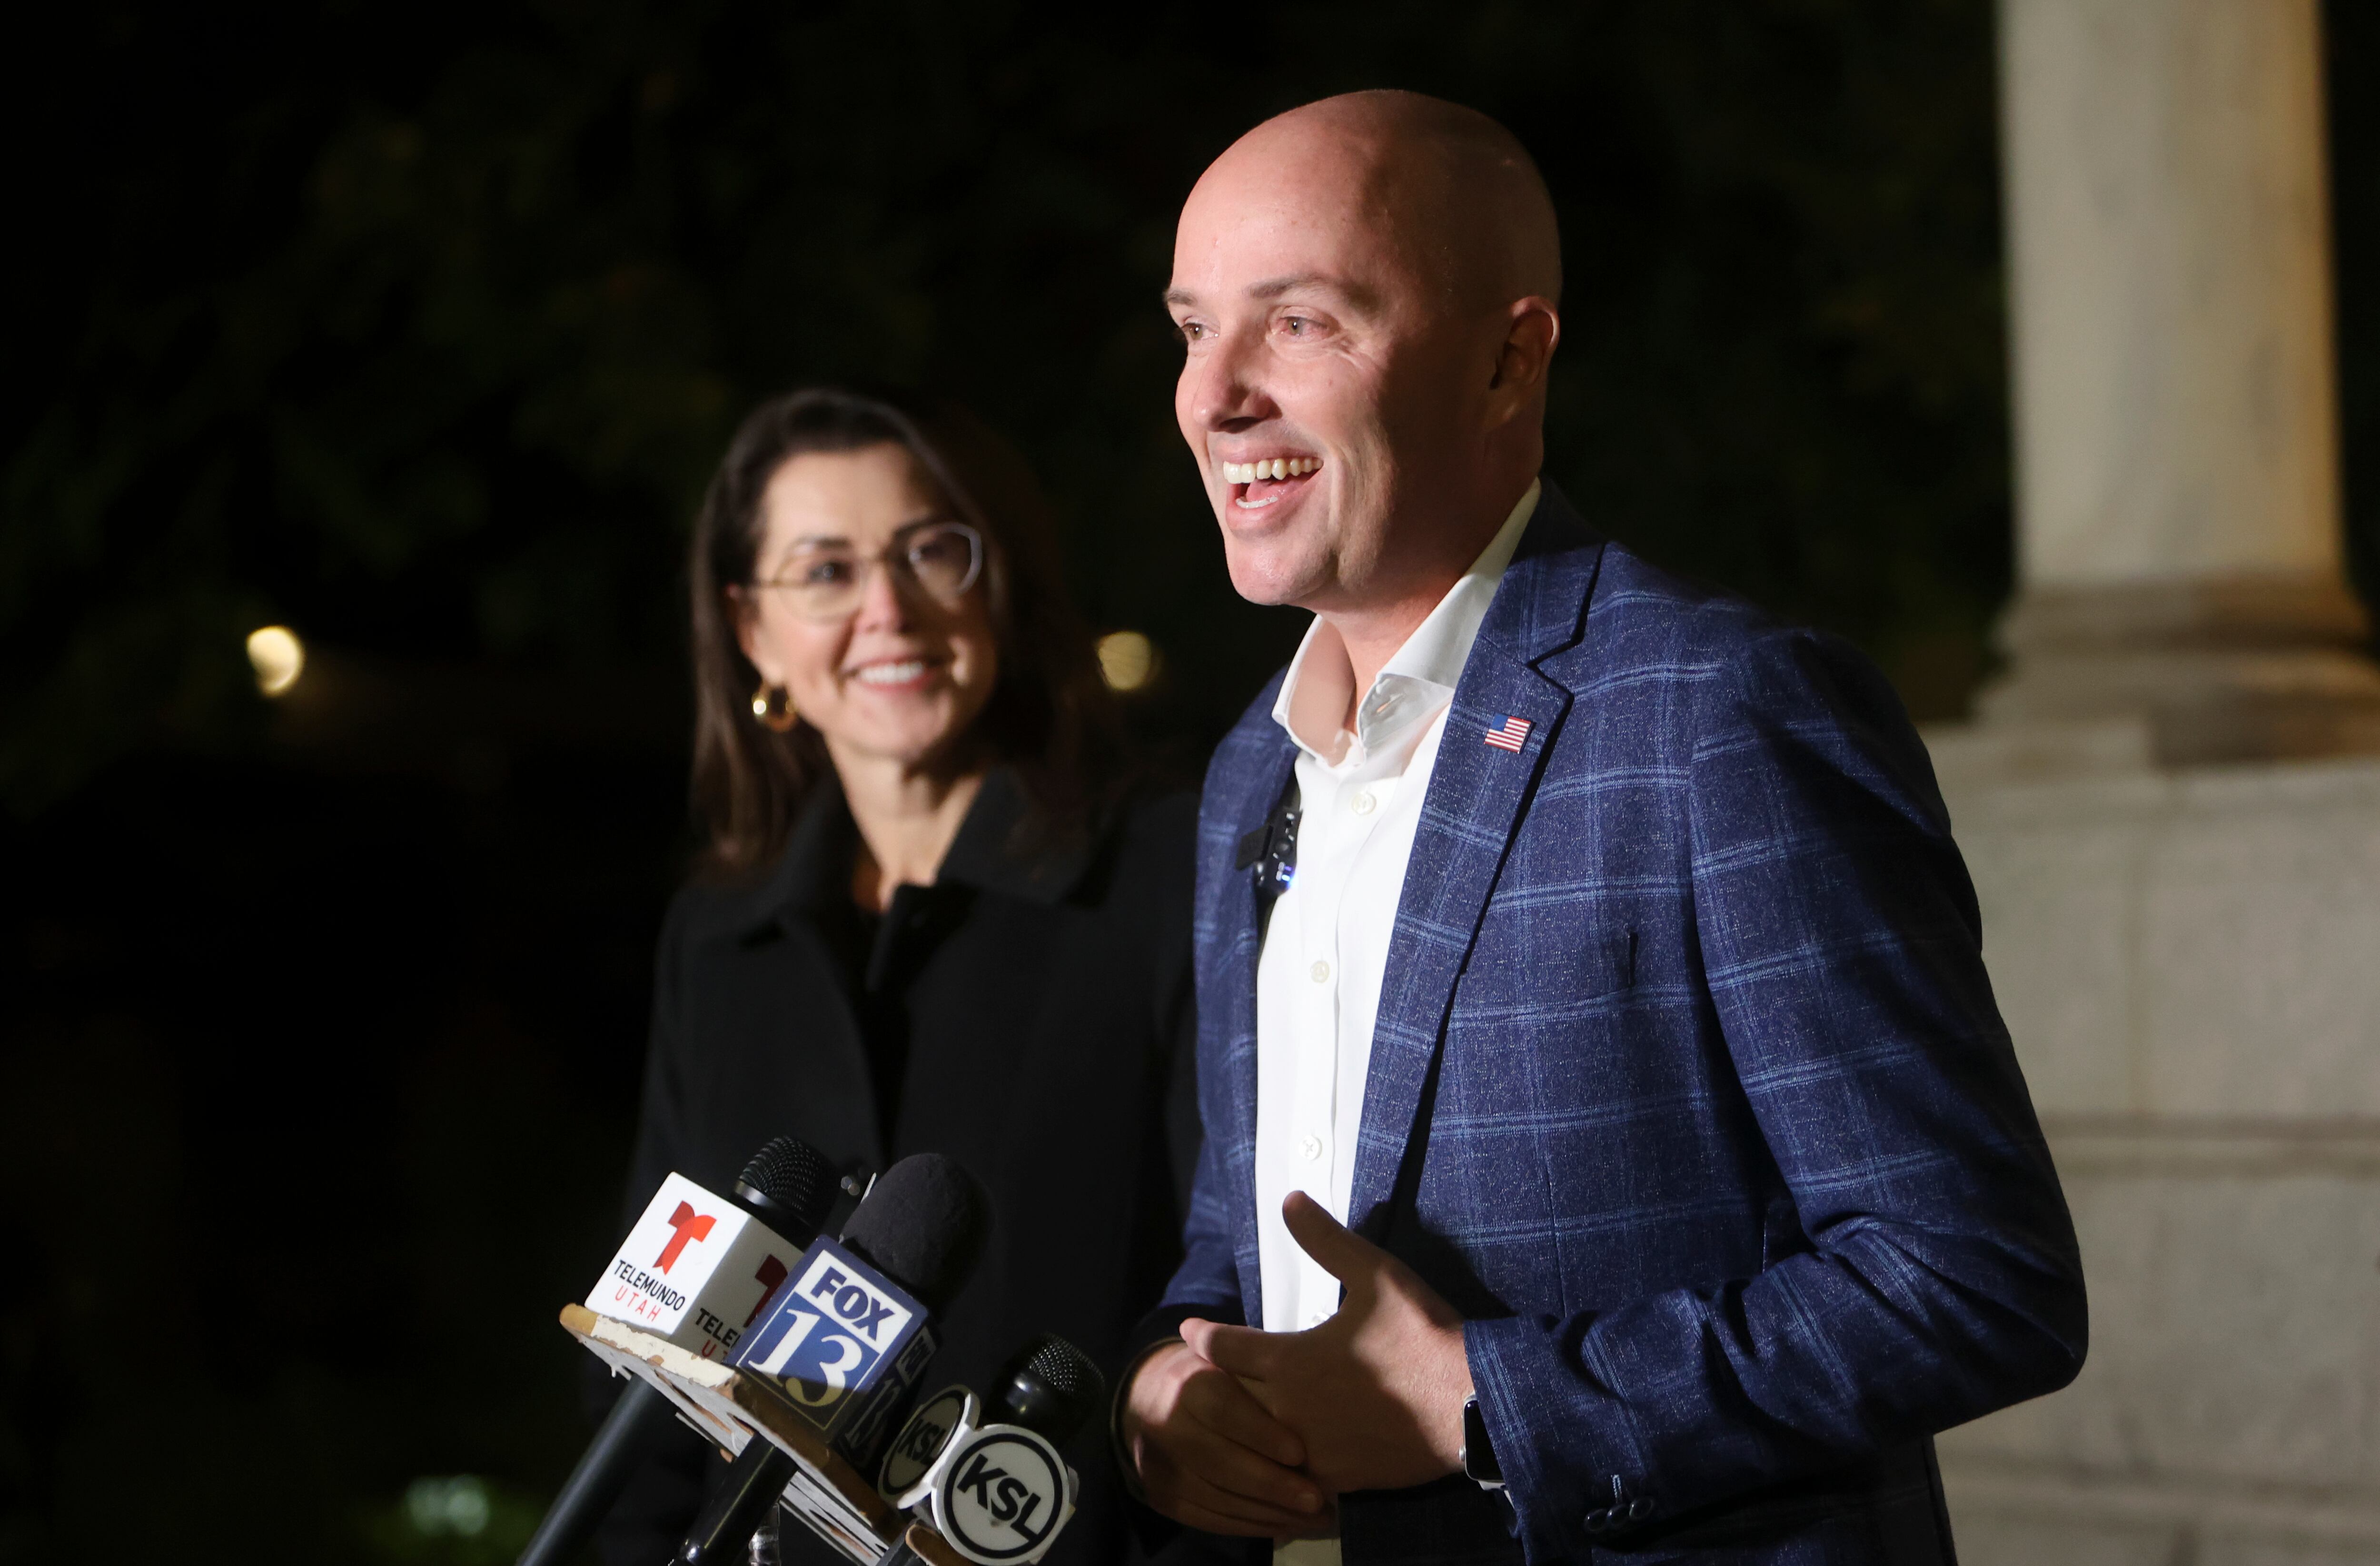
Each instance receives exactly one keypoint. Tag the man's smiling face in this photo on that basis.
(1327, 386)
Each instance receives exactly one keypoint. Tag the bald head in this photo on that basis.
(1451, 190)
(1368, 295)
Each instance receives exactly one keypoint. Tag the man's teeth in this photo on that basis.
(890, 673)
(1272, 467)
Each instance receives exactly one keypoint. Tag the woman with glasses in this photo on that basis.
(933, 917)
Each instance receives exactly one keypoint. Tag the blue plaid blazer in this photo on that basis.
(1688, 1089)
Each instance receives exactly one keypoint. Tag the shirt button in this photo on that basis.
(1363, 803)
(1321, 972)
(1316, 1317)
(1311, 1147)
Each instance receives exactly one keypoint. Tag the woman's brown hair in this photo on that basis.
(1050, 716)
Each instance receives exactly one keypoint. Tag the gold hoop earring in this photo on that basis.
(773, 705)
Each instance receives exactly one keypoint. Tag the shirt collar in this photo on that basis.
(815, 869)
(1419, 677)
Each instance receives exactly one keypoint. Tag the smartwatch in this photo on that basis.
(1478, 1457)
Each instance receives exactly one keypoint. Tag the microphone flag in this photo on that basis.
(694, 1272)
(844, 1344)
(997, 1493)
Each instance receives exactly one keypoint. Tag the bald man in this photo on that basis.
(1612, 1144)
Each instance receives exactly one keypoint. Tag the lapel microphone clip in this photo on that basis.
(1271, 849)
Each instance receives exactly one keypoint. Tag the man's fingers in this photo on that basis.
(1207, 1452)
(1210, 1459)
(1243, 1351)
(1226, 1492)
(1346, 1257)
(1240, 1470)
(1219, 1403)
(1206, 1521)
(1197, 1332)
(1247, 1516)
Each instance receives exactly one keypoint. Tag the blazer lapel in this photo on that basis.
(1254, 763)
(1476, 795)
(1241, 925)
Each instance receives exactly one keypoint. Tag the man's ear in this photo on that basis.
(1532, 330)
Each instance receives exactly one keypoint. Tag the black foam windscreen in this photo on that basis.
(789, 1186)
(1050, 1387)
(923, 1225)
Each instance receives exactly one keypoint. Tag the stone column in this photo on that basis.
(2178, 507)
(2184, 954)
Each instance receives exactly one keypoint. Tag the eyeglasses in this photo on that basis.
(826, 581)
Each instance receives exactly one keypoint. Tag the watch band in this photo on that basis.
(1479, 1464)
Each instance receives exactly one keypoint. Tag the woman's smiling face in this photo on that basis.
(901, 673)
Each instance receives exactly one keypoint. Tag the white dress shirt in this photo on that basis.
(1326, 950)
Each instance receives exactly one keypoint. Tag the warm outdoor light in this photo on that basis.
(279, 658)
(1126, 660)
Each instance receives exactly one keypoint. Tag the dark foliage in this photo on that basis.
(419, 329)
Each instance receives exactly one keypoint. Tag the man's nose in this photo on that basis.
(1228, 389)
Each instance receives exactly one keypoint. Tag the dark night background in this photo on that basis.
(419, 328)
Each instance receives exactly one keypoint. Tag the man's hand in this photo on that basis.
(1376, 1393)
(1208, 1454)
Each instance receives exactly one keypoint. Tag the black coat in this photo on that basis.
(1029, 1015)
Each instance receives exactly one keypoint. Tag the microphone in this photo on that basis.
(788, 1187)
(845, 1342)
(1051, 1387)
(997, 1493)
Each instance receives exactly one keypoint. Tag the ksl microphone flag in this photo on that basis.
(997, 1493)
(1003, 1496)
(844, 1343)
(990, 1480)
(694, 1272)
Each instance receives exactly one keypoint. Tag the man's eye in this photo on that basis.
(1297, 325)
(824, 573)
(1192, 331)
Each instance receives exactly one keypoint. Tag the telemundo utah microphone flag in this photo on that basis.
(696, 1271)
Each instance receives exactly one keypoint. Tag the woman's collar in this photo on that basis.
(815, 869)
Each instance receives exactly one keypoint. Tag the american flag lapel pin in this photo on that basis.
(1509, 735)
